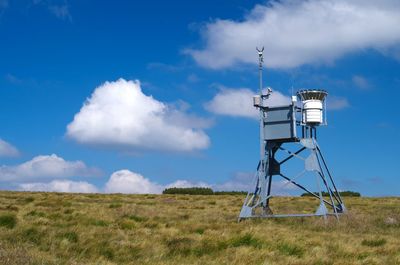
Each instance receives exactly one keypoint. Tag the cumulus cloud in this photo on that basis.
(128, 182)
(46, 167)
(239, 102)
(295, 33)
(241, 181)
(60, 186)
(187, 184)
(125, 181)
(119, 114)
(6, 149)
(122, 181)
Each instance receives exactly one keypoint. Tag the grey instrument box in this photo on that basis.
(280, 123)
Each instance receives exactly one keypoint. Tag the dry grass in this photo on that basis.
(53, 228)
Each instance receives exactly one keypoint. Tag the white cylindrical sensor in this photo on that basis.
(312, 101)
(312, 110)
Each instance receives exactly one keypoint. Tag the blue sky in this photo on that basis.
(141, 136)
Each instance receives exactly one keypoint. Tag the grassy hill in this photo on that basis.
(55, 228)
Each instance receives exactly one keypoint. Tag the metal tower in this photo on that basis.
(278, 128)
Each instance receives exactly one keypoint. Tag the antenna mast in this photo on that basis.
(262, 141)
(260, 67)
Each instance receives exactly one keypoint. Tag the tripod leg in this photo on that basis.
(267, 209)
(329, 174)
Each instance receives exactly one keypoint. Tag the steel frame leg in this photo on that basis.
(262, 192)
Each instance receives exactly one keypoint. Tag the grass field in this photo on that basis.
(56, 228)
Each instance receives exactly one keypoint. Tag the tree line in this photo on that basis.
(200, 191)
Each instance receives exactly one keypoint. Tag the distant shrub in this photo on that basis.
(346, 193)
(8, 221)
(201, 191)
(373, 242)
(190, 191)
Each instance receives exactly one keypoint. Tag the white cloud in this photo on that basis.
(60, 186)
(119, 114)
(128, 182)
(283, 188)
(244, 181)
(241, 181)
(125, 181)
(45, 167)
(122, 181)
(186, 184)
(6, 149)
(361, 82)
(239, 102)
(336, 103)
(301, 32)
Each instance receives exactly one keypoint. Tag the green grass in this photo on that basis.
(8, 220)
(32, 235)
(373, 242)
(290, 250)
(246, 240)
(70, 236)
(62, 228)
(137, 218)
(115, 205)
